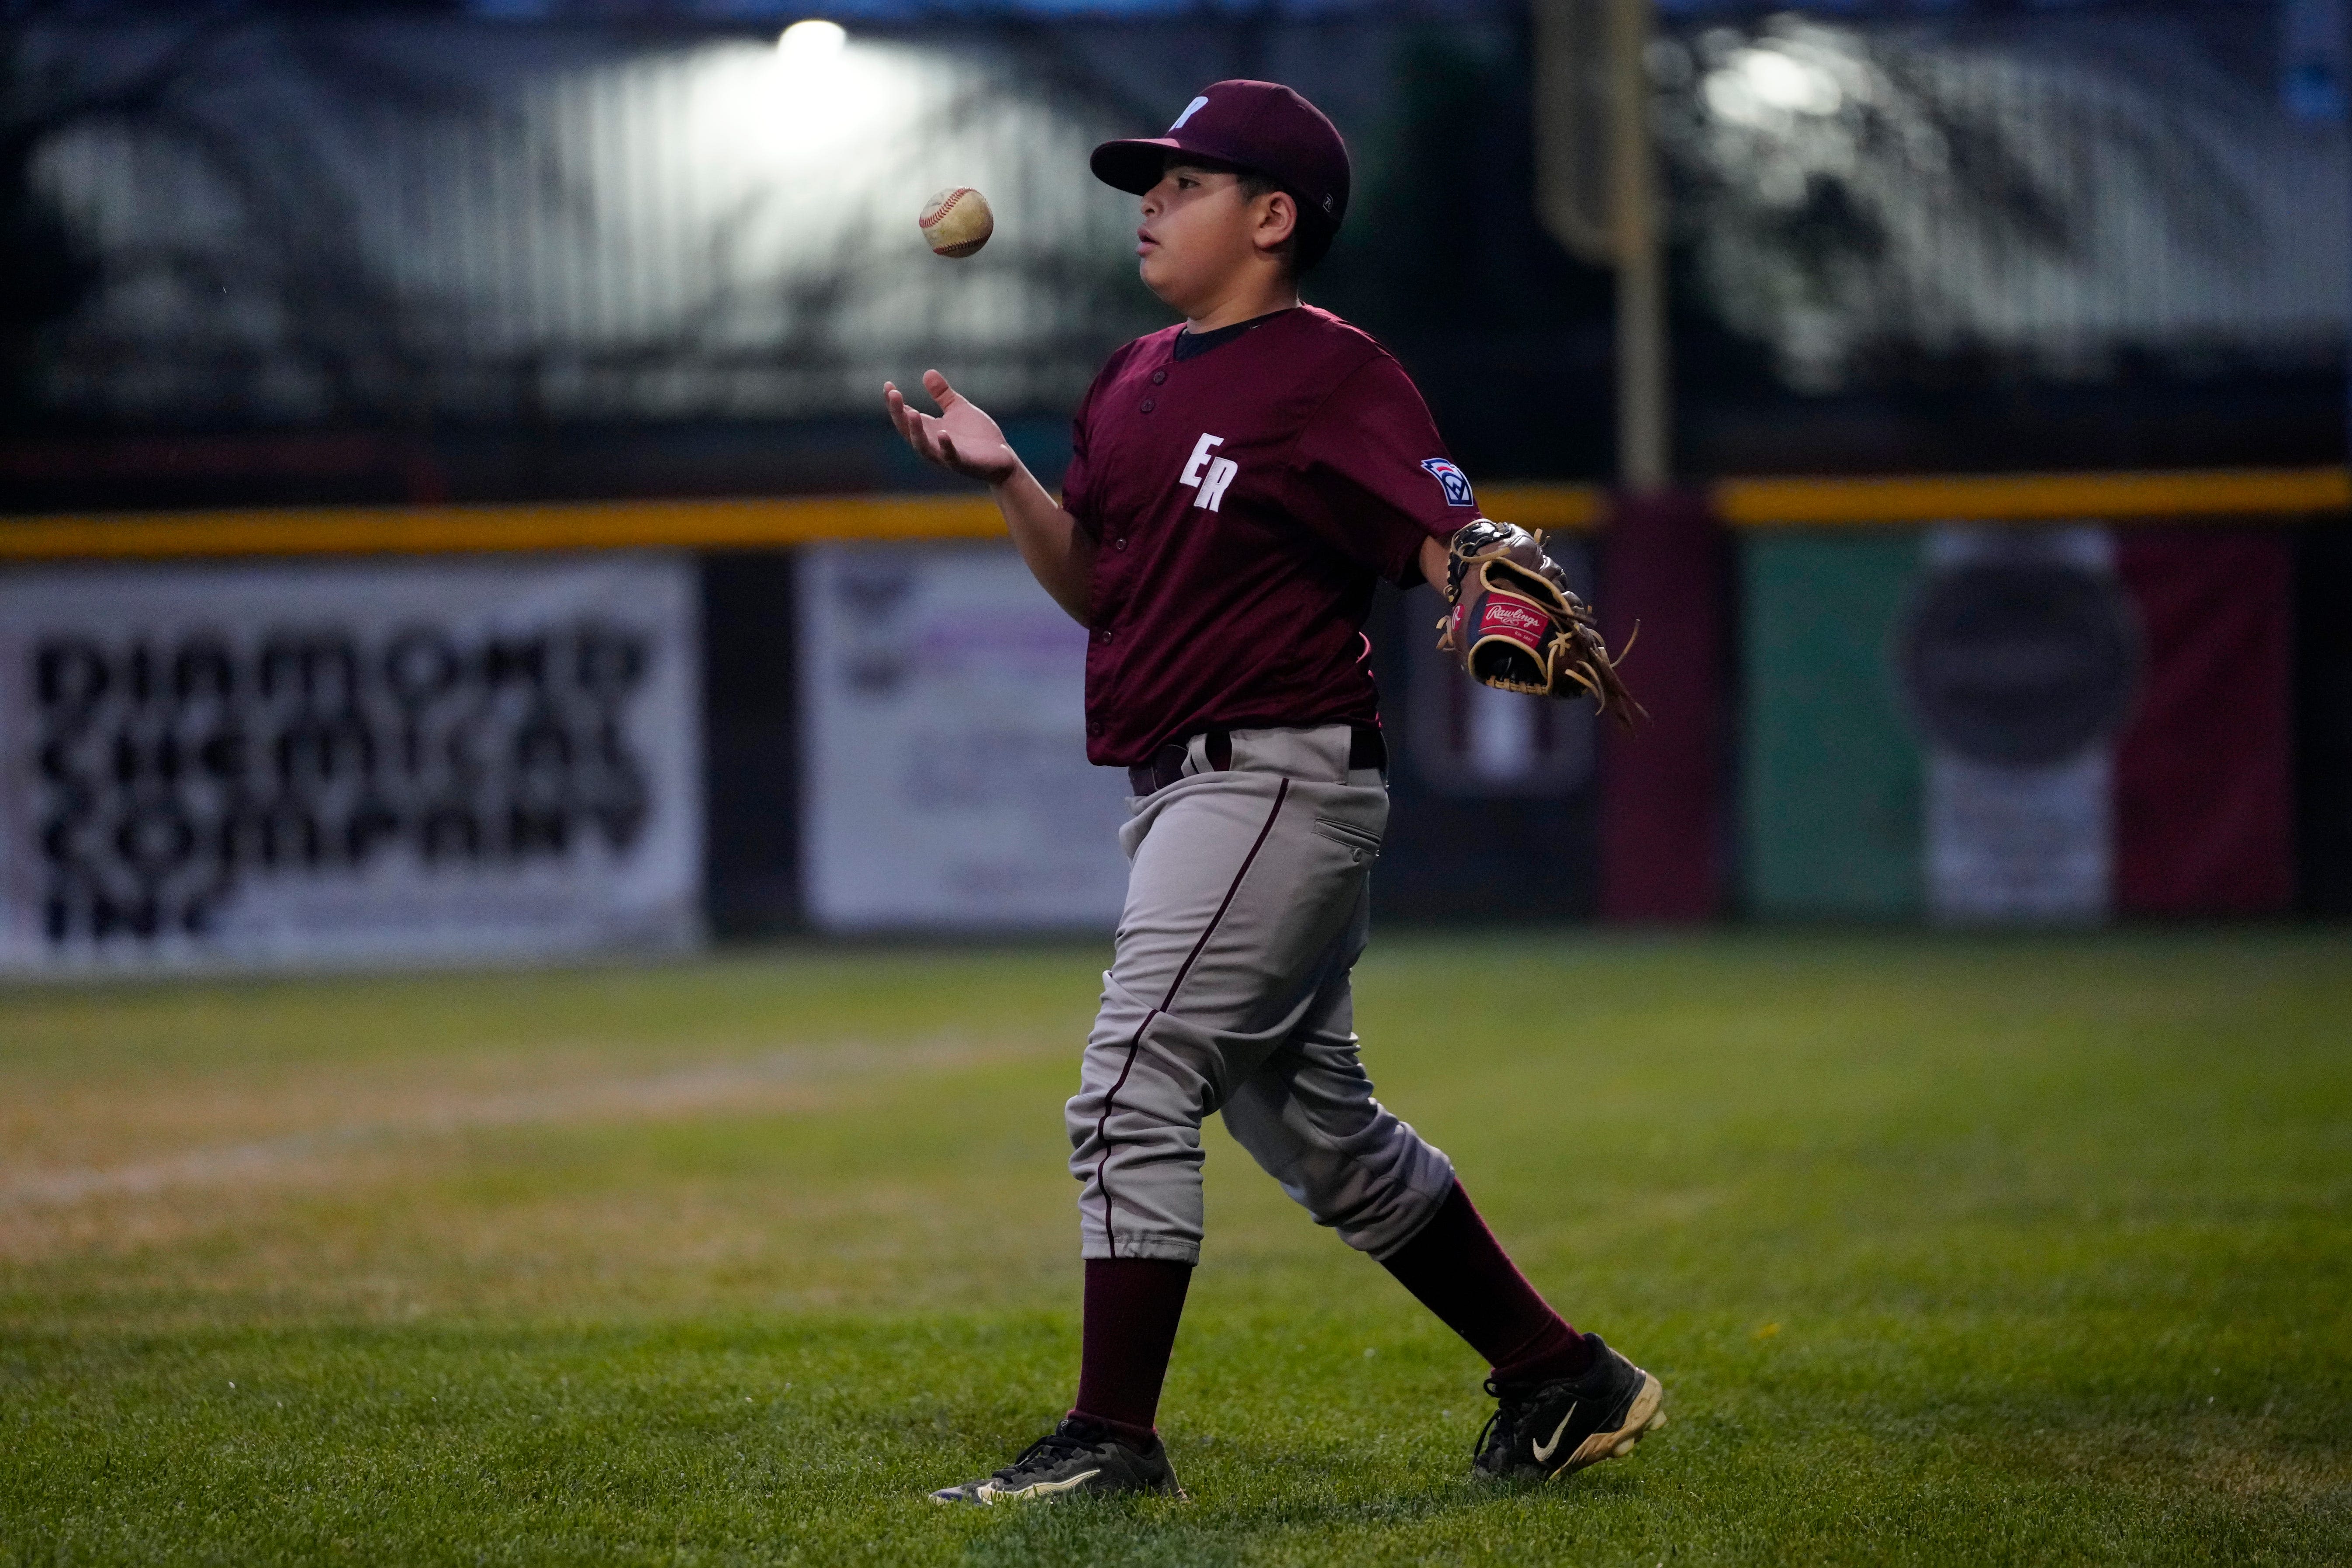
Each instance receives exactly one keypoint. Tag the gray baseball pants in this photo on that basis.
(1248, 900)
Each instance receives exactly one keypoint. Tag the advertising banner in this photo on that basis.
(333, 764)
(1475, 743)
(2018, 725)
(1492, 794)
(946, 785)
(2019, 658)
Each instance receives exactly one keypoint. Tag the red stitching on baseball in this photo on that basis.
(945, 208)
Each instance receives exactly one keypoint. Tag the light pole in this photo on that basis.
(1597, 189)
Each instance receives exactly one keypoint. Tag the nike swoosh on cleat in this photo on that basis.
(1042, 1488)
(1544, 1451)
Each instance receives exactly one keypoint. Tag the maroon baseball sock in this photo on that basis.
(1133, 1308)
(1458, 1270)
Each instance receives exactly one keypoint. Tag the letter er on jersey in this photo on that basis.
(1220, 473)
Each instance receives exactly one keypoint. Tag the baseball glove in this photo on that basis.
(1516, 626)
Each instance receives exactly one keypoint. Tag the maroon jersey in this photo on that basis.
(1245, 502)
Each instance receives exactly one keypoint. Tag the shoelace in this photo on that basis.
(1506, 1415)
(1055, 1446)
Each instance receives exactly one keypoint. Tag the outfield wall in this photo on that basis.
(391, 734)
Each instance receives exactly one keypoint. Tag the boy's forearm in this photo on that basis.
(1058, 553)
(1432, 564)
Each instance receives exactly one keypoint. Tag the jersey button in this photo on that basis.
(1148, 405)
(1119, 544)
(1102, 637)
(1157, 377)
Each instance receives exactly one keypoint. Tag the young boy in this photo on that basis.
(1236, 486)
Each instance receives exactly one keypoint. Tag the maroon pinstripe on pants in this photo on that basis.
(1110, 1099)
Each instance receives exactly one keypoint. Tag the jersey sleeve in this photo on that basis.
(1370, 476)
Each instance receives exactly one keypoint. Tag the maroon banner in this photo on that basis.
(2204, 772)
(1661, 787)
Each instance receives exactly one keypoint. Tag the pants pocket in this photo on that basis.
(1349, 834)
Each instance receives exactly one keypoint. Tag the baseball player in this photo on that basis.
(1237, 487)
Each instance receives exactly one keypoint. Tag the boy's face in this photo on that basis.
(1199, 233)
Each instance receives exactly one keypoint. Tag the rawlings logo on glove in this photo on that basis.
(1514, 621)
(1516, 626)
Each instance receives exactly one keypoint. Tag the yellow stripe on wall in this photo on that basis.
(2034, 498)
(1574, 506)
(2281, 494)
(435, 530)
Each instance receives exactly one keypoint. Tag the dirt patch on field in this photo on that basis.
(543, 1184)
(317, 1126)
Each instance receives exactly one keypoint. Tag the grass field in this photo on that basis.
(1947, 1250)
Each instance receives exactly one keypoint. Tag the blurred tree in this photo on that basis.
(1443, 233)
(46, 273)
(1444, 258)
(226, 99)
(1849, 196)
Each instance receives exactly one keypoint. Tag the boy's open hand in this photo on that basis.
(958, 437)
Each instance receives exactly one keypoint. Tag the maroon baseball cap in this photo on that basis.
(1258, 125)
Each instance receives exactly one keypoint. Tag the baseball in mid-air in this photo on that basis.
(957, 221)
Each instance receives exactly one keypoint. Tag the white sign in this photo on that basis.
(2029, 839)
(946, 782)
(348, 763)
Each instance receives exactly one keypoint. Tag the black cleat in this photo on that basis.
(1544, 1430)
(1077, 1457)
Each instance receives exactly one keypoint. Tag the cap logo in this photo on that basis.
(1191, 109)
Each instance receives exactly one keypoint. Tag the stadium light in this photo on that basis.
(811, 42)
(1760, 84)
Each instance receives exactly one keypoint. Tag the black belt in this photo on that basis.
(1366, 748)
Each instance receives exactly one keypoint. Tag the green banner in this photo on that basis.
(1832, 778)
